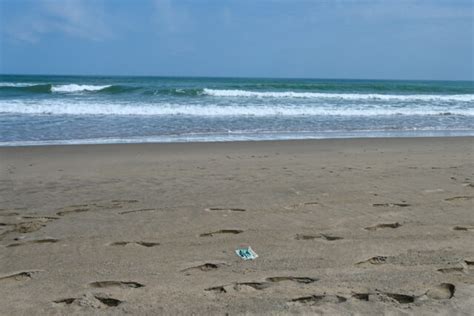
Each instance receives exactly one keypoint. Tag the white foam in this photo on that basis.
(77, 88)
(250, 136)
(66, 107)
(342, 96)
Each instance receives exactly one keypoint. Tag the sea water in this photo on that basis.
(36, 110)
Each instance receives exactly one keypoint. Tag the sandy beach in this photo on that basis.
(348, 226)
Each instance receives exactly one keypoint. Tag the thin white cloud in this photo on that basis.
(75, 18)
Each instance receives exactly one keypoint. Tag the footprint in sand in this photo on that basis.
(460, 198)
(385, 297)
(208, 266)
(91, 300)
(442, 291)
(108, 301)
(243, 286)
(239, 287)
(26, 227)
(120, 284)
(73, 209)
(219, 209)
(374, 260)
(41, 218)
(29, 227)
(464, 228)
(361, 296)
(391, 204)
(317, 299)
(451, 270)
(222, 231)
(303, 280)
(140, 210)
(140, 243)
(34, 241)
(66, 301)
(383, 225)
(124, 201)
(400, 298)
(19, 276)
(217, 289)
(318, 236)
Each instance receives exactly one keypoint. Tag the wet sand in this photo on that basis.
(364, 226)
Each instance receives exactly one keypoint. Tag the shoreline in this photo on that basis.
(152, 141)
(368, 226)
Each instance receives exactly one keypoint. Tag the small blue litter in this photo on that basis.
(246, 253)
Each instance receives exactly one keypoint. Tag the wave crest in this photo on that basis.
(77, 88)
(342, 96)
(48, 88)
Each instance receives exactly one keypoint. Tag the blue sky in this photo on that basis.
(248, 38)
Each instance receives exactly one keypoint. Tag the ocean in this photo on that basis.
(41, 110)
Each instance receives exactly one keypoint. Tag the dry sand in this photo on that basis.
(363, 226)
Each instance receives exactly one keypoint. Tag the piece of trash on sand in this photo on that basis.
(246, 253)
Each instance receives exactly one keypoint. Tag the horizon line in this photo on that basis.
(227, 77)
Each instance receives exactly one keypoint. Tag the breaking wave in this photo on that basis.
(77, 88)
(342, 96)
(49, 88)
(63, 107)
(151, 90)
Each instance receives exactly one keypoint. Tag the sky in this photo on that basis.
(365, 39)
